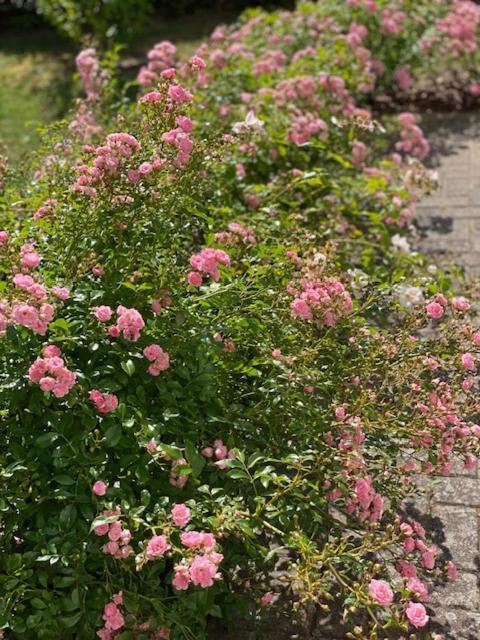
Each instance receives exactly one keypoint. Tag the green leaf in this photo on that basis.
(238, 474)
(71, 621)
(102, 520)
(195, 459)
(254, 459)
(65, 480)
(128, 367)
(113, 435)
(45, 440)
(172, 452)
(67, 516)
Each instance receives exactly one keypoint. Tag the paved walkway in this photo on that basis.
(450, 224)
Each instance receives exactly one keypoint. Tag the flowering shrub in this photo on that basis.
(218, 349)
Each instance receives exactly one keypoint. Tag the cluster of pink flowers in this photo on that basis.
(305, 126)
(113, 618)
(300, 90)
(89, 70)
(412, 140)
(436, 308)
(340, 99)
(207, 261)
(272, 61)
(458, 29)
(129, 324)
(108, 162)
(392, 22)
(115, 621)
(180, 139)
(325, 301)
(29, 258)
(359, 152)
(220, 453)
(236, 234)
(177, 94)
(160, 58)
(46, 209)
(177, 478)
(34, 312)
(51, 374)
(158, 357)
(403, 77)
(104, 402)
(84, 126)
(368, 502)
(382, 594)
(35, 318)
(118, 544)
(202, 569)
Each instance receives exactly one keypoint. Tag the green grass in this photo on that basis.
(36, 67)
(35, 86)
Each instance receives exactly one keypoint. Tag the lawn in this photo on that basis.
(37, 65)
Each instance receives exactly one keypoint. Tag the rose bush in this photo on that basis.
(218, 349)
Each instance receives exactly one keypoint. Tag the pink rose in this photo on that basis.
(203, 571)
(194, 279)
(152, 352)
(452, 571)
(434, 310)
(301, 309)
(157, 546)
(381, 592)
(180, 515)
(417, 614)
(181, 579)
(266, 599)
(468, 361)
(102, 313)
(62, 293)
(460, 304)
(417, 587)
(99, 488)
(101, 530)
(191, 539)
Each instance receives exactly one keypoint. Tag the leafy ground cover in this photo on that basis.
(218, 347)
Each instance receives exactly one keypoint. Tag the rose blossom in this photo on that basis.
(181, 579)
(381, 592)
(203, 571)
(157, 546)
(181, 515)
(434, 310)
(99, 488)
(417, 614)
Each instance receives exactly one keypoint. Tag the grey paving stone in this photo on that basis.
(458, 469)
(457, 624)
(462, 594)
(457, 490)
(460, 529)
